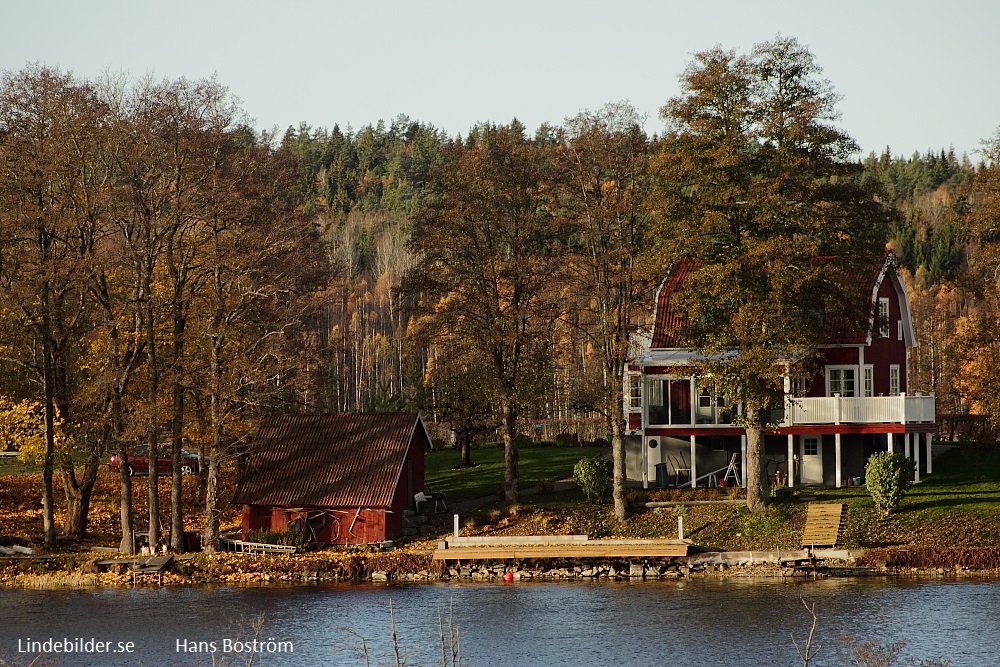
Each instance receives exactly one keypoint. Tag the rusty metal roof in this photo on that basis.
(671, 320)
(329, 460)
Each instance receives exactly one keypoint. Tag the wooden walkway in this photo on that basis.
(556, 546)
(823, 523)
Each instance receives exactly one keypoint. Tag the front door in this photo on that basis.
(811, 451)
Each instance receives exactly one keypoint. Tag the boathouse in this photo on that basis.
(343, 478)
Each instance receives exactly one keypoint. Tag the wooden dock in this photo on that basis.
(823, 523)
(537, 547)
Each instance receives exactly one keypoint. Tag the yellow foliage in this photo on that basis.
(22, 428)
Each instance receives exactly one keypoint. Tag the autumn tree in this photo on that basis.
(759, 195)
(490, 253)
(50, 208)
(604, 182)
(457, 393)
(976, 346)
(262, 262)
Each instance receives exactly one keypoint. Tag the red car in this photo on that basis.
(138, 462)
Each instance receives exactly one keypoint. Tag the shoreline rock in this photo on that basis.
(72, 571)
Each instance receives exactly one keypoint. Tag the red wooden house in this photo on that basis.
(682, 432)
(342, 478)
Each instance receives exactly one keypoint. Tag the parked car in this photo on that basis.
(138, 462)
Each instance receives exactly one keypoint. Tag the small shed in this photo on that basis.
(343, 478)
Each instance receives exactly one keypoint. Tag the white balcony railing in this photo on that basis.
(870, 410)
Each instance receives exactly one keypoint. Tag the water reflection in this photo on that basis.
(735, 621)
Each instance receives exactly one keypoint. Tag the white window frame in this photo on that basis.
(868, 381)
(883, 317)
(634, 389)
(837, 386)
(899, 329)
(894, 386)
(810, 442)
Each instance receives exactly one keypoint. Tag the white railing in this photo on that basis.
(870, 410)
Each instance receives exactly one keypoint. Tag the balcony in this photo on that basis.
(871, 410)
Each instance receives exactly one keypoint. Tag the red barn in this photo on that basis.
(343, 478)
(682, 431)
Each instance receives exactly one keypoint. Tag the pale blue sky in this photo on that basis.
(913, 74)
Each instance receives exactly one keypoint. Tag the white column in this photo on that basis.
(645, 462)
(929, 438)
(694, 467)
(791, 460)
(907, 441)
(888, 442)
(743, 460)
(916, 456)
(694, 401)
(836, 450)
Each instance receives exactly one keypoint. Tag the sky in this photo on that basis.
(913, 75)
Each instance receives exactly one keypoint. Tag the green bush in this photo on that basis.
(593, 476)
(887, 476)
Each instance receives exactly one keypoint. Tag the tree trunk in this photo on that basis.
(510, 454)
(127, 545)
(211, 534)
(153, 482)
(465, 449)
(48, 380)
(177, 478)
(757, 482)
(210, 537)
(619, 472)
(78, 493)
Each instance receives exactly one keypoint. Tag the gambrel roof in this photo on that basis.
(670, 320)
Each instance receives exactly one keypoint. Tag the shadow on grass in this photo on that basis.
(979, 502)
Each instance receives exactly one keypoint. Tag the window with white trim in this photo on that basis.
(810, 446)
(883, 317)
(899, 329)
(869, 381)
(841, 380)
(711, 404)
(634, 391)
(894, 380)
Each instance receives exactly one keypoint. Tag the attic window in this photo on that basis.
(883, 317)
(899, 329)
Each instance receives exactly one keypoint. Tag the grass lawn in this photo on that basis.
(957, 506)
(486, 479)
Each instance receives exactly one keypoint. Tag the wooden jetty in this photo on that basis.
(536, 547)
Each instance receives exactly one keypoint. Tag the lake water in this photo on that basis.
(693, 622)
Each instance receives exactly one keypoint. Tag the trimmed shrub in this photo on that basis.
(593, 476)
(887, 476)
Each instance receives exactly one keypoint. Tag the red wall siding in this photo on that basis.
(891, 350)
(634, 420)
(882, 353)
(831, 356)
